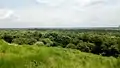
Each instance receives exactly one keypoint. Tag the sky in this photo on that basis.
(59, 13)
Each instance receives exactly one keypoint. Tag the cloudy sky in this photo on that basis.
(59, 13)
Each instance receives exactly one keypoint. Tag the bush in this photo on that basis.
(85, 46)
(7, 38)
(39, 44)
(24, 41)
(47, 42)
(70, 45)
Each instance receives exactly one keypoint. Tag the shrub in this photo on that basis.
(39, 44)
(70, 45)
(47, 42)
(7, 38)
(24, 41)
(85, 46)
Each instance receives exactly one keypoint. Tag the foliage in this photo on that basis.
(70, 45)
(39, 44)
(85, 46)
(101, 42)
(48, 57)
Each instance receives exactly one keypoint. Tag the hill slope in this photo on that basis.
(48, 57)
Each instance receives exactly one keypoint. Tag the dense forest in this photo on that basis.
(100, 42)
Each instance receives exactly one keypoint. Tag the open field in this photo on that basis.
(51, 57)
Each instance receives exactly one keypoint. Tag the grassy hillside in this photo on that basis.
(12, 56)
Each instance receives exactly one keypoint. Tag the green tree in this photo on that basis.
(47, 42)
(85, 46)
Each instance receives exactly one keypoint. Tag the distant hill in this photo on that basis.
(46, 28)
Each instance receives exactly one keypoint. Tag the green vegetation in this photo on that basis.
(100, 42)
(59, 48)
(35, 56)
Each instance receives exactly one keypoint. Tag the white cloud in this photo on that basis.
(4, 13)
(7, 14)
(64, 3)
(51, 2)
(70, 13)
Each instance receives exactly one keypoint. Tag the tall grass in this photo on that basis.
(48, 57)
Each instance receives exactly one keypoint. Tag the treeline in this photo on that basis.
(101, 42)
